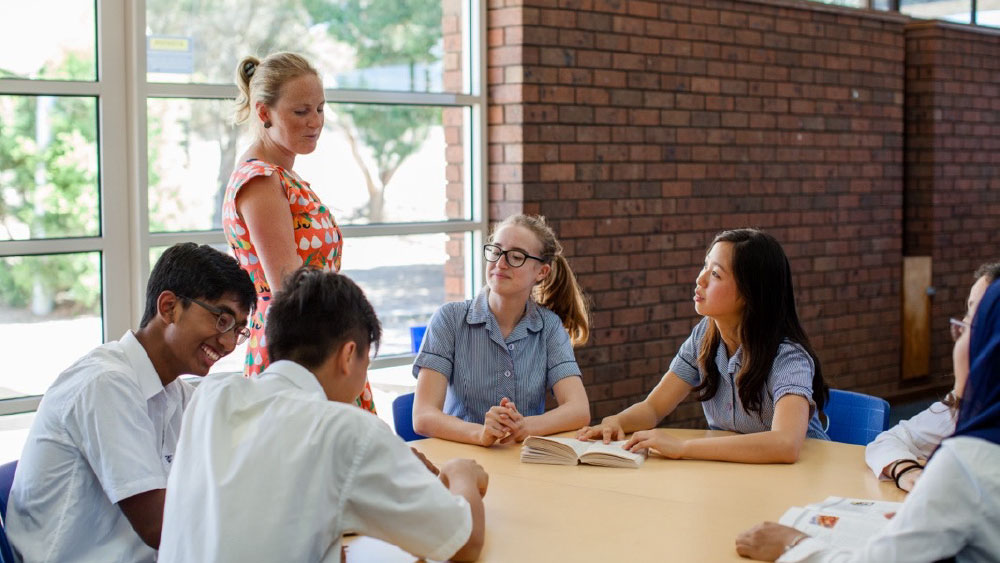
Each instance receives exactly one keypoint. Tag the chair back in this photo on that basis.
(855, 418)
(402, 417)
(6, 480)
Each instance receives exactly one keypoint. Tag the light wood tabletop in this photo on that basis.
(667, 510)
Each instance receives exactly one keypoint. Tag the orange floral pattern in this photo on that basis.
(318, 241)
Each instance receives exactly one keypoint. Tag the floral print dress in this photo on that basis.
(318, 242)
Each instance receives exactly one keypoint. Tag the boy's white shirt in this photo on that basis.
(268, 469)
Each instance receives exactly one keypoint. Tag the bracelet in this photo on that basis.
(795, 542)
(899, 463)
(903, 471)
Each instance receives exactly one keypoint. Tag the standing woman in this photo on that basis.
(486, 364)
(273, 220)
(748, 360)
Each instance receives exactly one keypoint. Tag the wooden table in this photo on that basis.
(667, 510)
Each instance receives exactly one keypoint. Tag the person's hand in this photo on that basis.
(493, 425)
(658, 440)
(455, 470)
(766, 541)
(427, 463)
(909, 479)
(609, 429)
(515, 423)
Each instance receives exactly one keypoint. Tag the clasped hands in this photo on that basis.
(503, 425)
(657, 440)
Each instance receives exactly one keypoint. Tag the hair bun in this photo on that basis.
(249, 67)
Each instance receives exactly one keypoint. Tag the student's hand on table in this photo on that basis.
(514, 422)
(609, 429)
(909, 479)
(454, 469)
(766, 541)
(427, 463)
(664, 444)
(494, 428)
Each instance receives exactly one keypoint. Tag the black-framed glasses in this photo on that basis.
(515, 258)
(224, 320)
(957, 328)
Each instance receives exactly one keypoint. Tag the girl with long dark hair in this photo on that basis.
(748, 360)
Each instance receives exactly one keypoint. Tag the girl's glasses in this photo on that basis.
(515, 258)
(957, 328)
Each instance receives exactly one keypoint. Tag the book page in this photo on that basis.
(560, 451)
(875, 509)
(831, 526)
(612, 455)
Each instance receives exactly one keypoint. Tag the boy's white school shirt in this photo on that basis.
(268, 469)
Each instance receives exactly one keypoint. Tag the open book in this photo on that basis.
(841, 521)
(569, 451)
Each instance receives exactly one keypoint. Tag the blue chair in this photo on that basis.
(855, 418)
(6, 480)
(402, 417)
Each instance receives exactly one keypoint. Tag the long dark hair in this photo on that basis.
(764, 280)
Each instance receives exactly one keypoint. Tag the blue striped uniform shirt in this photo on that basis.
(791, 374)
(464, 343)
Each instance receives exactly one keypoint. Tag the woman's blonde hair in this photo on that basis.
(559, 291)
(261, 81)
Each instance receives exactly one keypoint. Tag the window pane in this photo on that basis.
(959, 11)
(373, 164)
(48, 39)
(400, 45)
(988, 12)
(232, 362)
(48, 167)
(50, 315)
(406, 279)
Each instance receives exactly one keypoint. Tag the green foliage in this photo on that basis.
(48, 188)
(391, 132)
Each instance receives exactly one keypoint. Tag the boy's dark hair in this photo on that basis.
(197, 272)
(314, 314)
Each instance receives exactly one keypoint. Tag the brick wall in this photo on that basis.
(952, 162)
(641, 128)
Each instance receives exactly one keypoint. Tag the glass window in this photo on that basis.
(988, 13)
(48, 167)
(958, 11)
(49, 39)
(50, 315)
(397, 45)
(373, 164)
(406, 278)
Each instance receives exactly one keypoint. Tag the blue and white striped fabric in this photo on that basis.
(791, 373)
(464, 343)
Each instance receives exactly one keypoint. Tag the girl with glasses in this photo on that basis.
(954, 511)
(897, 453)
(748, 361)
(486, 364)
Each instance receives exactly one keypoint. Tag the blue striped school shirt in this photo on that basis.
(464, 343)
(791, 374)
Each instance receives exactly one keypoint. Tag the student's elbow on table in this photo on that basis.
(786, 449)
(472, 548)
(423, 423)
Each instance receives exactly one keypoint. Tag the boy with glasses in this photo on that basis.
(277, 467)
(90, 484)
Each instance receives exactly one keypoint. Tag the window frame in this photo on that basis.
(124, 241)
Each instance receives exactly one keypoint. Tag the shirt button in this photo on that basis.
(510, 346)
(506, 373)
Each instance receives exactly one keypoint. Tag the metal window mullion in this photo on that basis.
(113, 146)
(36, 247)
(228, 92)
(138, 212)
(15, 87)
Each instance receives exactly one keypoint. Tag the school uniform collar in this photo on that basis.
(730, 364)
(145, 374)
(297, 375)
(479, 313)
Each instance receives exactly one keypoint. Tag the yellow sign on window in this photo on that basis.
(170, 43)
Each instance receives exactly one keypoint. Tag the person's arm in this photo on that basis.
(780, 444)
(467, 479)
(264, 207)
(144, 512)
(911, 439)
(660, 402)
(572, 412)
(430, 420)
